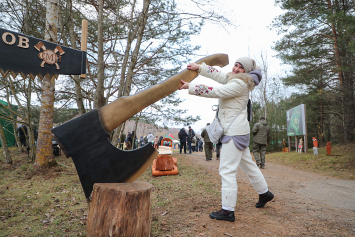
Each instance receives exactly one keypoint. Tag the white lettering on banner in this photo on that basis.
(22, 40)
(13, 38)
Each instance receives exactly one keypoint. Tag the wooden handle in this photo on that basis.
(115, 113)
(84, 39)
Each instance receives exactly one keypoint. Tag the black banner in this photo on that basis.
(20, 53)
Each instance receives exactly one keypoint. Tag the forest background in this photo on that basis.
(133, 45)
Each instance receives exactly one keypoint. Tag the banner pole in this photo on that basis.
(84, 39)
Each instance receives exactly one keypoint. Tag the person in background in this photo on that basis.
(200, 145)
(134, 143)
(182, 136)
(190, 136)
(22, 134)
(141, 141)
(156, 142)
(208, 144)
(261, 132)
(150, 138)
(233, 95)
(122, 140)
(197, 141)
(129, 142)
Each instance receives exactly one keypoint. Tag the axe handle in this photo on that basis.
(115, 113)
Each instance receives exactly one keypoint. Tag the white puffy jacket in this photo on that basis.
(232, 94)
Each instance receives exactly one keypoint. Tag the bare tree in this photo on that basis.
(262, 87)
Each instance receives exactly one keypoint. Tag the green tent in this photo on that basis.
(6, 124)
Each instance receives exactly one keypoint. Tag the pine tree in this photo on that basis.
(317, 41)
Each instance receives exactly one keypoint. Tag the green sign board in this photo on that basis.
(296, 121)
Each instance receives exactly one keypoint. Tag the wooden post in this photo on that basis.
(84, 39)
(120, 209)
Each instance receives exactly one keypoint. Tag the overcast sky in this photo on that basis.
(250, 38)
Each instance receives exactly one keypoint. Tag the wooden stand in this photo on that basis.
(120, 209)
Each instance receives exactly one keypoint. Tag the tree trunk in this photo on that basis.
(17, 139)
(5, 149)
(141, 23)
(99, 99)
(44, 152)
(116, 135)
(120, 209)
(31, 139)
(77, 81)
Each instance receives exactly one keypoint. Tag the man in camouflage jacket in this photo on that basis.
(261, 132)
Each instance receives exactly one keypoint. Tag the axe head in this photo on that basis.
(95, 158)
(39, 45)
(60, 50)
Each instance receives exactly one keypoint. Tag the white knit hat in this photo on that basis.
(248, 64)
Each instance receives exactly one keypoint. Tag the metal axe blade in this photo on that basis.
(95, 158)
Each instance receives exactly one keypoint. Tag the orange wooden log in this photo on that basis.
(120, 209)
(164, 162)
(156, 172)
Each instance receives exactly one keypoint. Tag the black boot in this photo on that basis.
(223, 215)
(264, 198)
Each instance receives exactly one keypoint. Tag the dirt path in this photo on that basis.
(305, 203)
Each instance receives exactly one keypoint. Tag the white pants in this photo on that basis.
(231, 158)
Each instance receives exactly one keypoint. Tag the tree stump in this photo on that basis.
(120, 209)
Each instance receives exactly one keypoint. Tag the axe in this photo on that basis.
(39, 46)
(59, 49)
(86, 138)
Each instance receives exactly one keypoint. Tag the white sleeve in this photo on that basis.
(233, 88)
(212, 73)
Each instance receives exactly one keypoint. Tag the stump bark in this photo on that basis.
(120, 209)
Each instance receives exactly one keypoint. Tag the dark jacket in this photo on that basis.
(261, 132)
(122, 137)
(190, 135)
(182, 135)
(205, 136)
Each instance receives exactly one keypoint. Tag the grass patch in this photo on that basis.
(340, 164)
(51, 202)
(41, 202)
